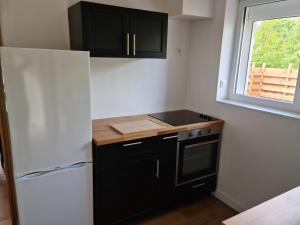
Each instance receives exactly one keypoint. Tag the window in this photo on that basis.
(267, 57)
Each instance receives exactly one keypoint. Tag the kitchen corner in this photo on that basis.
(105, 60)
(111, 112)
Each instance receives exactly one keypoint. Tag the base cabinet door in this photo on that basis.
(167, 147)
(125, 191)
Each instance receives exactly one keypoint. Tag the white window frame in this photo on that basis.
(242, 47)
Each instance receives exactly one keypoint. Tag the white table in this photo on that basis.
(281, 210)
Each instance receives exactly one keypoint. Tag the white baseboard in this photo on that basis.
(229, 201)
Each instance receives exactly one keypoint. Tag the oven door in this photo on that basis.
(197, 159)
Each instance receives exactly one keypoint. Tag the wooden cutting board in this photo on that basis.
(136, 126)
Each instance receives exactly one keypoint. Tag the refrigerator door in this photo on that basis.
(48, 105)
(61, 197)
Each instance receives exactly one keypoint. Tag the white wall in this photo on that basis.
(34, 23)
(44, 23)
(118, 86)
(260, 152)
(131, 86)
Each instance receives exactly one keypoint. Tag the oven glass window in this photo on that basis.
(199, 158)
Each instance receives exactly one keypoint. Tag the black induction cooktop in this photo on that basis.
(182, 117)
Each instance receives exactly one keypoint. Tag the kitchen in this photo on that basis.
(186, 79)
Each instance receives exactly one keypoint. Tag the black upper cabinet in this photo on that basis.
(104, 31)
(111, 31)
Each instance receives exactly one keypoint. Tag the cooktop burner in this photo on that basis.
(182, 117)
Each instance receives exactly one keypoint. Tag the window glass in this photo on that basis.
(273, 62)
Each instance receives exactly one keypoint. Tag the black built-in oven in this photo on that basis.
(197, 154)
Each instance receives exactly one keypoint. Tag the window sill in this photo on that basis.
(288, 114)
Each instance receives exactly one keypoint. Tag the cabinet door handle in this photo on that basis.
(199, 185)
(157, 169)
(132, 144)
(170, 137)
(134, 42)
(128, 43)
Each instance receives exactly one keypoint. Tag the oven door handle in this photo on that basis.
(198, 185)
(202, 143)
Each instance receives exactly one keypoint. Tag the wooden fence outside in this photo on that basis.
(279, 84)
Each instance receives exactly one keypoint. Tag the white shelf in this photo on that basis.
(190, 9)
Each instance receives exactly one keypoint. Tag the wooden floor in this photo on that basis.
(4, 206)
(205, 211)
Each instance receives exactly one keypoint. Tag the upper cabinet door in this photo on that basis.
(111, 31)
(149, 34)
(106, 29)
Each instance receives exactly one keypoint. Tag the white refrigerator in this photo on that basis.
(48, 105)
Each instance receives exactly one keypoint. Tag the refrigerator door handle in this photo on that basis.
(36, 174)
(55, 169)
(77, 165)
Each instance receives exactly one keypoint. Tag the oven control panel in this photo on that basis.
(196, 133)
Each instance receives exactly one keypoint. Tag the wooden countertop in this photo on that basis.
(104, 134)
(281, 210)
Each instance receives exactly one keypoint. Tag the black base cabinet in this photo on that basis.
(125, 191)
(126, 179)
(111, 31)
(167, 146)
(138, 177)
